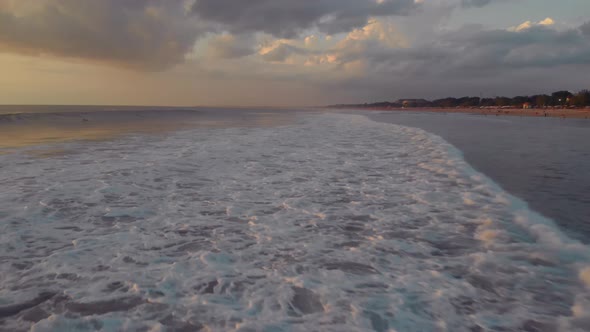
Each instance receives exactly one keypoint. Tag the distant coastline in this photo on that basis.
(562, 104)
(548, 112)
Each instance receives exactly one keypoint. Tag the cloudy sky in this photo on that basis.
(287, 52)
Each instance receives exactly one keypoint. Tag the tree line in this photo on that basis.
(556, 99)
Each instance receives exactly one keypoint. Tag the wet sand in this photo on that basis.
(556, 113)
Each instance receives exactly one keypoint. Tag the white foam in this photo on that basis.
(335, 221)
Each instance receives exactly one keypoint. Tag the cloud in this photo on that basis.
(475, 3)
(546, 22)
(289, 18)
(144, 34)
(280, 51)
(473, 51)
(291, 51)
(379, 30)
(480, 3)
(363, 48)
(472, 59)
(528, 24)
(156, 35)
(375, 61)
(226, 46)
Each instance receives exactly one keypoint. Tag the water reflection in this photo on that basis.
(22, 130)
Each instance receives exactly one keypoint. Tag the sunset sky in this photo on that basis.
(287, 52)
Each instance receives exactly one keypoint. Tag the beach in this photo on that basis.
(294, 166)
(327, 219)
(578, 113)
(541, 160)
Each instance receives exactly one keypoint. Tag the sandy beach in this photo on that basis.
(554, 112)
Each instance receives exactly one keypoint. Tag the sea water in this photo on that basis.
(544, 161)
(325, 222)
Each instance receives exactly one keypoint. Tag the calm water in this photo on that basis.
(544, 161)
(267, 220)
(40, 125)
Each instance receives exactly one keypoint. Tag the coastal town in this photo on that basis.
(557, 104)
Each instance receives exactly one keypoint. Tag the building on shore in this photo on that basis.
(409, 103)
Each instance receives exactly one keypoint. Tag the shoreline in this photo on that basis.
(553, 113)
(514, 154)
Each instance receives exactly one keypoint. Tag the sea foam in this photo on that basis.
(333, 223)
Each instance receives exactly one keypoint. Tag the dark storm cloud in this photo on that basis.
(156, 34)
(481, 3)
(537, 46)
(472, 51)
(287, 18)
(475, 3)
(230, 46)
(471, 59)
(145, 34)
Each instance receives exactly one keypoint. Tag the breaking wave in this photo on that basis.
(333, 223)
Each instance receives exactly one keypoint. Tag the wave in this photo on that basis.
(99, 114)
(335, 221)
(34, 129)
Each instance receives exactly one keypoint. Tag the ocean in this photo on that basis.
(544, 161)
(264, 220)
